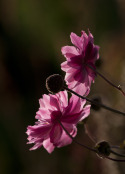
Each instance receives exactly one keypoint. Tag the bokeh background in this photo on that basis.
(32, 33)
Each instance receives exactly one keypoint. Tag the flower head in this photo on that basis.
(78, 75)
(54, 83)
(55, 109)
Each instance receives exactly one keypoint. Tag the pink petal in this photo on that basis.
(80, 83)
(91, 73)
(37, 146)
(76, 62)
(48, 145)
(63, 99)
(95, 52)
(73, 84)
(51, 102)
(77, 104)
(69, 51)
(74, 111)
(88, 51)
(37, 134)
(68, 127)
(81, 89)
(54, 102)
(55, 133)
(41, 102)
(64, 66)
(72, 119)
(80, 76)
(90, 37)
(46, 99)
(91, 78)
(68, 67)
(76, 40)
(84, 40)
(86, 112)
(69, 77)
(65, 139)
(43, 114)
(38, 130)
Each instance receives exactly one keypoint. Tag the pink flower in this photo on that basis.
(78, 75)
(47, 132)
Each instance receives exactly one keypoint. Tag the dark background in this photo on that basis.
(32, 33)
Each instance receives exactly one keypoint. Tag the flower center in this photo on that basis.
(56, 116)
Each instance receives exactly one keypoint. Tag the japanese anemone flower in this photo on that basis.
(79, 58)
(56, 109)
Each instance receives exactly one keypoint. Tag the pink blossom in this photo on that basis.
(78, 75)
(55, 109)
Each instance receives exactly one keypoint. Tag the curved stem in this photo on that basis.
(115, 153)
(109, 82)
(116, 160)
(115, 147)
(89, 148)
(95, 103)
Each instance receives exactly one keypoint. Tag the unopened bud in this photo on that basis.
(54, 83)
(103, 149)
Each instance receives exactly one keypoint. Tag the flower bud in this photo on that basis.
(54, 83)
(103, 149)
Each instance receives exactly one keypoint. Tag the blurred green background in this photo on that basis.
(32, 33)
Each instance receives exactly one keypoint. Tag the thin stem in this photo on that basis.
(118, 147)
(116, 160)
(89, 148)
(115, 147)
(117, 87)
(115, 153)
(95, 103)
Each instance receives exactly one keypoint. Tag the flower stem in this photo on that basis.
(116, 160)
(95, 103)
(115, 147)
(117, 87)
(118, 154)
(89, 148)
